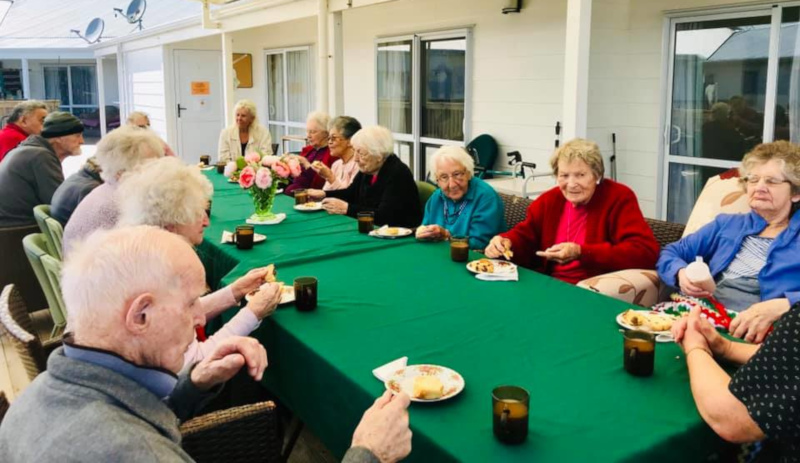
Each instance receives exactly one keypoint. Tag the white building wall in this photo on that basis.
(518, 72)
(144, 86)
(111, 82)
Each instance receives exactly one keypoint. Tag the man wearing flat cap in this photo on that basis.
(31, 172)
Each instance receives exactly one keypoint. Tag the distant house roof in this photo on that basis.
(43, 24)
(752, 44)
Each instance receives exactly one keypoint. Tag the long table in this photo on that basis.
(383, 299)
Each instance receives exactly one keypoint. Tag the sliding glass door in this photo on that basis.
(289, 95)
(731, 88)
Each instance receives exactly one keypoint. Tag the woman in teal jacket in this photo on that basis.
(463, 205)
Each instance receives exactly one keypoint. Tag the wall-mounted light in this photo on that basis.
(512, 6)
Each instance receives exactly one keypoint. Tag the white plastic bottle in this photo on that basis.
(700, 275)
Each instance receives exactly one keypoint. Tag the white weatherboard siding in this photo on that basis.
(518, 71)
(625, 81)
(144, 85)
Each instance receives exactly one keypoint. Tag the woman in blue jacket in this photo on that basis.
(463, 205)
(754, 257)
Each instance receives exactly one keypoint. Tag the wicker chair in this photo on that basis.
(16, 321)
(515, 209)
(665, 232)
(240, 434)
(3, 405)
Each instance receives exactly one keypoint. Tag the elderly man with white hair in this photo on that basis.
(168, 194)
(117, 389)
(383, 185)
(463, 205)
(118, 152)
(26, 119)
(245, 136)
(316, 153)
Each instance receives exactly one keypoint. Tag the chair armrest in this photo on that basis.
(246, 433)
(640, 287)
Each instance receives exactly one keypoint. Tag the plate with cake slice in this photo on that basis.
(426, 383)
(492, 266)
(658, 323)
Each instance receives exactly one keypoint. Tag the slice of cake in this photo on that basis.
(428, 387)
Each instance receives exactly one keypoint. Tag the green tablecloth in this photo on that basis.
(380, 300)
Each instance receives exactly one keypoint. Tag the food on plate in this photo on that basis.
(427, 387)
(310, 205)
(648, 320)
(483, 266)
(392, 231)
(271, 273)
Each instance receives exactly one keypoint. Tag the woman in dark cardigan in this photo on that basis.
(383, 185)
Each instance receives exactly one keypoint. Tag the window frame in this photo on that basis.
(286, 123)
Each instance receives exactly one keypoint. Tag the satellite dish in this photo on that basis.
(94, 30)
(134, 12)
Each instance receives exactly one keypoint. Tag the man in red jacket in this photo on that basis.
(27, 118)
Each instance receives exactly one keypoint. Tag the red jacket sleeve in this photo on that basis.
(630, 242)
(526, 236)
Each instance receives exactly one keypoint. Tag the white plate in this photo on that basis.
(500, 267)
(402, 380)
(227, 237)
(287, 295)
(230, 180)
(392, 232)
(661, 336)
(309, 206)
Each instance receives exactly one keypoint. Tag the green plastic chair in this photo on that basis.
(56, 235)
(425, 190)
(484, 148)
(35, 246)
(41, 213)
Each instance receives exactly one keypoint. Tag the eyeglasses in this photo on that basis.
(770, 181)
(362, 154)
(458, 176)
(334, 139)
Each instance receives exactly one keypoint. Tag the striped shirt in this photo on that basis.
(750, 259)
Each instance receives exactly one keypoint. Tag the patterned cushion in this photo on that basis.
(640, 287)
(722, 194)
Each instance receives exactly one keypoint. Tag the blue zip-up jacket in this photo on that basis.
(719, 241)
(482, 216)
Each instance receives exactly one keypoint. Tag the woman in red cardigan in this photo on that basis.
(586, 226)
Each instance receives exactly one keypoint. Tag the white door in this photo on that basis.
(198, 76)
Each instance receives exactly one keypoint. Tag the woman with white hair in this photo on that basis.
(585, 226)
(463, 205)
(171, 195)
(118, 152)
(383, 185)
(316, 152)
(245, 136)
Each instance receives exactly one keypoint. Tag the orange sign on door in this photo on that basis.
(201, 88)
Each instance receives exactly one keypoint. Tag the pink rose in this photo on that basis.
(252, 158)
(247, 177)
(281, 169)
(269, 161)
(294, 167)
(230, 168)
(263, 178)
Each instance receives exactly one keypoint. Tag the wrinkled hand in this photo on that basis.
(686, 330)
(384, 430)
(562, 252)
(753, 324)
(265, 301)
(334, 206)
(323, 171)
(227, 359)
(497, 246)
(315, 194)
(432, 233)
(304, 163)
(248, 283)
(688, 288)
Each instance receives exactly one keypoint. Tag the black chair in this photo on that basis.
(515, 208)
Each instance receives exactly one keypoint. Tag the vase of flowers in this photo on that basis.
(261, 176)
